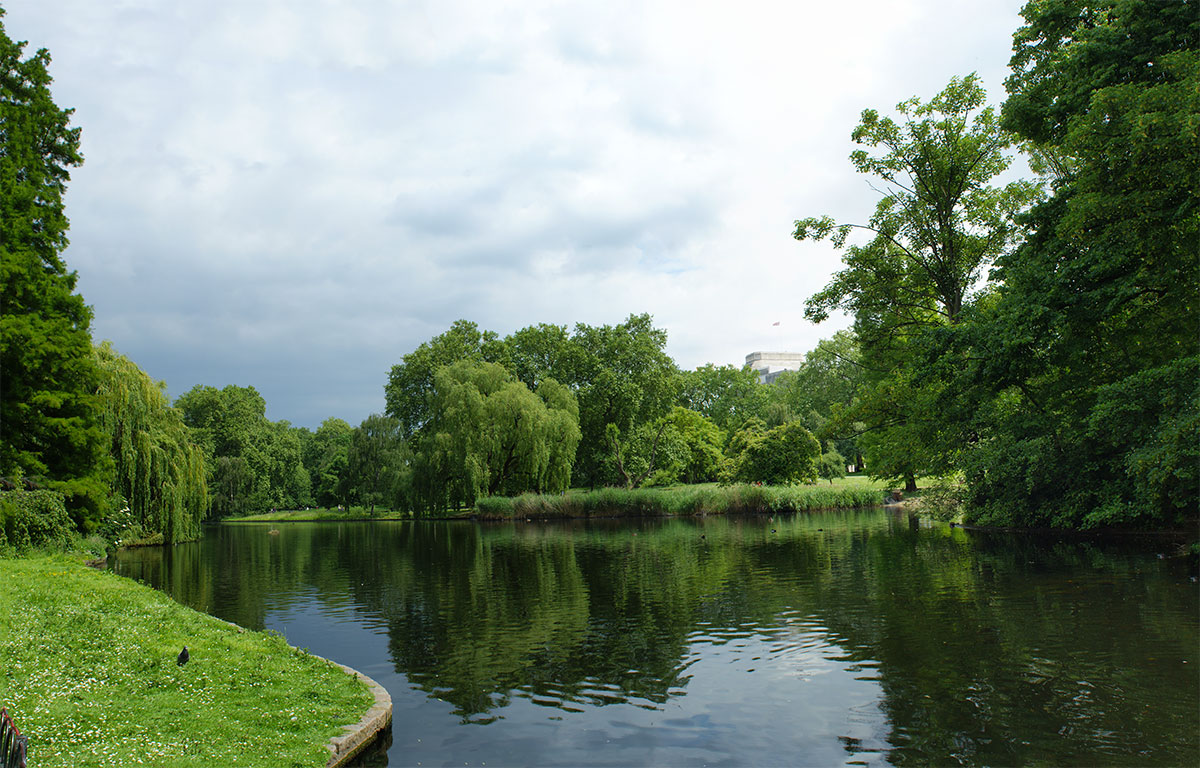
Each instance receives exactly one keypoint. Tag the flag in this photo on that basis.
(775, 323)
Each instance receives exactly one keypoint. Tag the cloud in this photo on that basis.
(295, 194)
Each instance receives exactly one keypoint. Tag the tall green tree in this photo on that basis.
(253, 463)
(159, 470)
(940, 222)
(694, 450)
(783, 455)
(377, 462)
(536, 353)
(825, 391)
(48, 378)
(409, 389)
(327, 459)
(489, 434)
(1092, 396)
(726, 394)
(623, 379)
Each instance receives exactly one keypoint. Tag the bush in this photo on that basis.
(34, 520)
(944, 502)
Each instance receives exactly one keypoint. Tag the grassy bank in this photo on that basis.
(88, 671)
(680, 500)
(307, 515)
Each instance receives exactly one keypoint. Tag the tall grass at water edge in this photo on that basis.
(658, 502)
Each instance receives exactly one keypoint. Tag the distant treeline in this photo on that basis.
(471, 415)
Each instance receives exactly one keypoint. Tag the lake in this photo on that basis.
(840, 638)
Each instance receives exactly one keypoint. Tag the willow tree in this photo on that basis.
(488, 434)
(159, 470)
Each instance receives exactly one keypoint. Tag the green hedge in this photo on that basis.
(33, 520)
(655, 502)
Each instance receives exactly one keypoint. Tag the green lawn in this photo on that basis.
(303, 515)
(88, 671)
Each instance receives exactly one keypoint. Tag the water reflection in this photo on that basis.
(851, 638)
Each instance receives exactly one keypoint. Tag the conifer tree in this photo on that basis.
(49, 425)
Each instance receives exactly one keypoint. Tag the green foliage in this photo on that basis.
(696, 454)
(831, 465)
(35, 519)
(1089, 415)
(409, 389)
(47, 377)
(938, 225)
(158, 470)
(825, 393)
(783, 455)
(489, 434)
(378, 468)
(623, 380)
(939, 222)
(620, 378)
(327, 459)
(537, 353)
(726, 395)
(253, 463)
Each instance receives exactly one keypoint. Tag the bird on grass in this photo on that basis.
(183, 657)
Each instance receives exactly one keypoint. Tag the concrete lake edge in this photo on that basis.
(357, 736)
(361, 734)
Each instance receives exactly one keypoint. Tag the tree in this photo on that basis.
(825, 392)
(159, 470)
(377, 462)
(782, 455)
(241, 446)
(1089, 354)
(939, 223)
(409, 389)
(700, 441)
(726, 394)
(488, 434)
(831, 464)
(48, 376)
(230, 485)
(623, 379)
(536, 353)
(327, 459)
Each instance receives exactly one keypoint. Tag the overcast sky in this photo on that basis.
(293, 194)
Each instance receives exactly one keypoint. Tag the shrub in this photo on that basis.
(33, 520)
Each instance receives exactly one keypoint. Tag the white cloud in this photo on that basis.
(294, 194)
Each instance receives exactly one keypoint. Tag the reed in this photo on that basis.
(678, 501)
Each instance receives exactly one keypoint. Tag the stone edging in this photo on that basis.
(356, 737)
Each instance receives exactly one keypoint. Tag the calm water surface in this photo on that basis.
(830, 639)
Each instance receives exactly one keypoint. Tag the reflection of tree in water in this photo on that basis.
(541, 614)
(987, 649)
(994, 650)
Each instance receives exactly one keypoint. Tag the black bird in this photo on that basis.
(183, 657)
